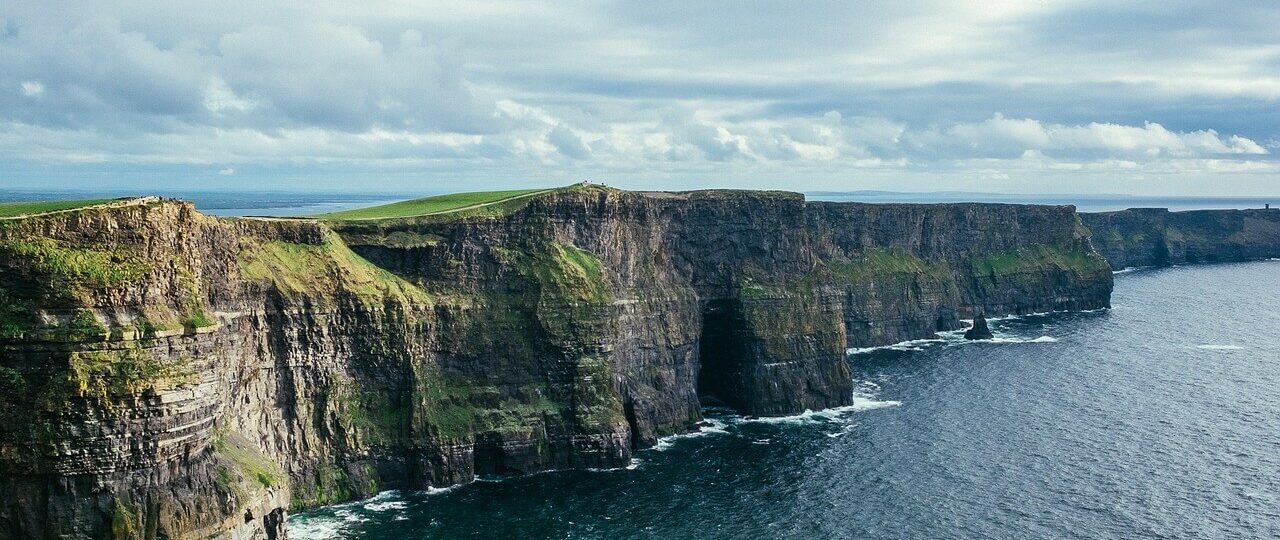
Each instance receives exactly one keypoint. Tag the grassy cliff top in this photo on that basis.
(26, 208)
(439, 204)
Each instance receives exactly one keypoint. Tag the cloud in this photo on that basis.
(1012, 90)
(1000, 137)
(338, 76)
(568, 143)
(32, 89)
(97, 73)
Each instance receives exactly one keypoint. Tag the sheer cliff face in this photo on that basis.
(1157, 237)
(170, 374)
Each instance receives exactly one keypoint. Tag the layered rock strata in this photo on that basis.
(1140, 237)
(172, 375)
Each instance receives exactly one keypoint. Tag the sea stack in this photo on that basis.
(979, 329)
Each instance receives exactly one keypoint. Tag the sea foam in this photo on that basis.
(861, 402)
(712, 427)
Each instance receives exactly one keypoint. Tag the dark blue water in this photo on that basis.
(1159, 418)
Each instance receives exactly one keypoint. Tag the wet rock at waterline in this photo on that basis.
(979, 329)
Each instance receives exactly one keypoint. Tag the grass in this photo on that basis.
(22, 208)
(430, 205)
(322, 269)
(879, 263)
(252, 465)
(93, 268)
(1037, 259)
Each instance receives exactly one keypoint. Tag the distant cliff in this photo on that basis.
(1158, 237)
(169, 374)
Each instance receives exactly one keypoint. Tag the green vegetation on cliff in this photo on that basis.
(104, 374)
(246, 462)
(26, 208)
(452, 202)
(328, 485)
(567, 273)
(321, 269)
(63, 266)
(881, 263)
(1038, 259)
(571, 292)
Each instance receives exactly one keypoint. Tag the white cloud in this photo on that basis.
(1005, 137)
(669, 88)
(32, 89)
(219, 98)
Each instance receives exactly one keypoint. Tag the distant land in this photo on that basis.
(1104, 202)
(294, 203)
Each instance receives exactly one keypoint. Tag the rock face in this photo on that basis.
(1157, 237)
(173, 375)
(979, 329)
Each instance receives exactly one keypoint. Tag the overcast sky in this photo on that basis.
(1161, 97)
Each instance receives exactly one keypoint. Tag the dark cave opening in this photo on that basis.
(720, 355)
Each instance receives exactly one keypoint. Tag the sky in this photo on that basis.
(1168, 97)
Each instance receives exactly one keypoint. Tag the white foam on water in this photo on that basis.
(631, 465)
(714, 427)
(347, 515)
(384, 506)
(1005, 339)
(843, 431)
(1212, 347)
(951, 337)
(910, 345)
(861, 402)
(325, 528)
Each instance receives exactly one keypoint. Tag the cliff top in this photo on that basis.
(25, 209)
(1160, 211)
(438, 204)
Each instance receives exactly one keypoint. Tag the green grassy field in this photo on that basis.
(10, 209)
(430, 205)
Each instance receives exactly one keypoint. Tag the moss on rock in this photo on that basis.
(324, 270)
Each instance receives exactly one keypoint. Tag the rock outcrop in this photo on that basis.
(1140, 237)
(979, 329)
(173, 375)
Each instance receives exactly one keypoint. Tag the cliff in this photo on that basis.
(169, 374)
(1157, 237)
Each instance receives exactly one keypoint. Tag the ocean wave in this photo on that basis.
(1213, 347)
(843, 431)
(315, 528)
(713, 427)
(860, 403)
(432, 490)
(387, 500)
(347, 515)
(951, 338)
(1004, 339)
(910, 345)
